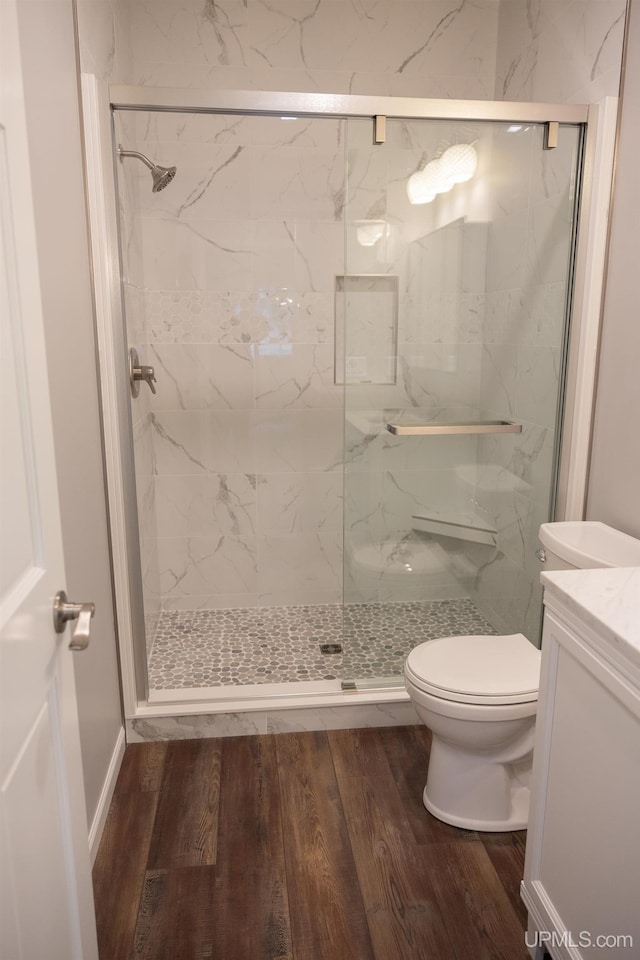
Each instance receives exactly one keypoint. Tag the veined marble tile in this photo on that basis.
(582, 40)
(185, 316)
(538, 384)
(475, 252)
(203, 376)
(504, 317)
(368, 173)
(209, 33)
(288, 441)
(303, 502)
(301, 184)
(430, 491)
(213, 181)
(198, 255)
(304, 561)
(444, 373)
(289, 376)
(284, 596)
(471, 317)
(196, 442)
(514, 156)
(274, 247)
(192, 128)
(196, 726)
(372, 447)
(452, 86)
(499, 378)
(206, 506)
(143, 450)
(559, 51)
(507, 252)
(507, 595)
(312, 320)
(301, 133)
(553, 172)
(400, 37)
(192, 565)
(544, 306)
(319, 255)
(516, 536)
(549, 244)
(365, 519)
(96, 30)
(204, 316)
(211, 601)
(394, 713)
(527, 455)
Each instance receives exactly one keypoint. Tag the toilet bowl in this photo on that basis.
(478, 696)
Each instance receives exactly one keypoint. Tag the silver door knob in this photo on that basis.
(63, 611)
(140, 371)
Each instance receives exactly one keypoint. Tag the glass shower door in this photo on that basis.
(452, 324)
(229, 292)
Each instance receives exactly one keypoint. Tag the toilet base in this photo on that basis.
(517, 821)
(486, 790)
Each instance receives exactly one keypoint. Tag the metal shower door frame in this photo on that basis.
(598, 123)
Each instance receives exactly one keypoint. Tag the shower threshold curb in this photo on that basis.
(241, 716)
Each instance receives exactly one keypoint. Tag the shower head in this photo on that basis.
(162, 176)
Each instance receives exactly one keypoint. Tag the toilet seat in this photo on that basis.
(482, 669)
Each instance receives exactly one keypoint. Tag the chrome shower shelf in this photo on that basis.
(442, 429)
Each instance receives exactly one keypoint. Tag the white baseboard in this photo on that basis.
(95, 833)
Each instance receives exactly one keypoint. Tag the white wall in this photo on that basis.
(58, 194)
(615, 465)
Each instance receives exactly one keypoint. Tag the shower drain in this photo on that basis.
(330, 648)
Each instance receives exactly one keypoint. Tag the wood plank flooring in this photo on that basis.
(301, 846)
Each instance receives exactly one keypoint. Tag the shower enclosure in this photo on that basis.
(354, 429)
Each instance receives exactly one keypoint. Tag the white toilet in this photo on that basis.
(478, 696)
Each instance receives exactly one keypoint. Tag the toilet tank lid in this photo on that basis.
(590, 543)
(488, 666)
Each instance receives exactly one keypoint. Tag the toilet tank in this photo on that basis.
(582, 544)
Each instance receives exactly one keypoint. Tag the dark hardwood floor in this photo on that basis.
(308, 846)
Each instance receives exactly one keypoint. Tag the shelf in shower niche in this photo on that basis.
(461, 527)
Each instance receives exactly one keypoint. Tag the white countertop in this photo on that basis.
(606, 600)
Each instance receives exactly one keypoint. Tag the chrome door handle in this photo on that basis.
(140, 371)
(63, 611)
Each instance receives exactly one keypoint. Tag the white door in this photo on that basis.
(46, 901)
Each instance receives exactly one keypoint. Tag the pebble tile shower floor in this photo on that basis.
(214, 648)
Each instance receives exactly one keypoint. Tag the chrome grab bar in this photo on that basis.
(442, 429)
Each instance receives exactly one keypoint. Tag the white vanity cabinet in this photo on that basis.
(582, 866)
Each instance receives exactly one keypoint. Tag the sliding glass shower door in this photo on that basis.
(453, 317)
(229, 288)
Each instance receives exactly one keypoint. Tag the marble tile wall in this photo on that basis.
(559, 51)
(397, 47)
(239, 260)
(550, 51)
(237, 293)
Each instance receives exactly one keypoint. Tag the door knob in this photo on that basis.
(140, 371)
(63, 611)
